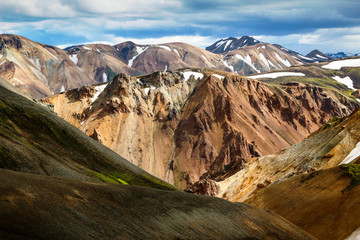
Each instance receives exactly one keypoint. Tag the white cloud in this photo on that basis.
(125, 7)
(196, 40)
(38, 8)
(325, 39)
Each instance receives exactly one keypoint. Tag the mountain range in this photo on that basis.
(41, 70)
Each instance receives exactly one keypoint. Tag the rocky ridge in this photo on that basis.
(180, 128)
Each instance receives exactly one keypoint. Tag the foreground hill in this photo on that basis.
(34, 140)
(179, 127)
(39, 207)
(315, 202)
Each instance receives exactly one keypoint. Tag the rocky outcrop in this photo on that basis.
(326, 148)
(180, 129)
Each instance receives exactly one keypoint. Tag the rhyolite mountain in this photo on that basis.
(328, 197)
(231, 43)
(41, 70)
(180, 127)
(51, 187)
(247, 55)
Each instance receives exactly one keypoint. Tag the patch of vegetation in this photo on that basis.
(334, 121)
(327, 83)
(107, 178)
(111, 74)
(353, 170)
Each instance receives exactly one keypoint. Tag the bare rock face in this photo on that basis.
(326, 148)
(185, 130)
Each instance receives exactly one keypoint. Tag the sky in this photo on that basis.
(301, 25)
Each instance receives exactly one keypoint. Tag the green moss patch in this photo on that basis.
(107, 178)
(353, 170)
(334, 121)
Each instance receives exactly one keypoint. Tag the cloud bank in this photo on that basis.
(300, 25)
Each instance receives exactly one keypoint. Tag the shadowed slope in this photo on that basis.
(39, 207)
(33, 139)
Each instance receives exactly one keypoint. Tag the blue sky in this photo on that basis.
(328, 25)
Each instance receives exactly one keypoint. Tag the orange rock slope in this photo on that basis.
(179, 128)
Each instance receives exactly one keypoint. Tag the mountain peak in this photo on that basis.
(231, 43)
(317, 55)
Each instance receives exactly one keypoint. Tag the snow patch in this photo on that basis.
(62, 89)
(98, 90)
(139, 50)
(166, 67)
(166, 48)
(87, 48)
(1, 56)
(248, 61)
(346, 81)
(147, 89)
(227, 65)
(227, 44)
(343, 63)
(2, 62)
(177, 52)
(51, 54)
(277, 74)
(262, 57)
(352, 155)
(207, 61)
(197, 75)
(218, 76)
(319, 56)
(104, 77)
(284, 61)
(303, 57)
(74, 58)
(220, 43)
(355, 235)
(263, 47)
(97, 50)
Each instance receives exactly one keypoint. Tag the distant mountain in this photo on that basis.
(318, 56)
(168, 56)
(41, 70)
(342, 54)
(262, 57)
(231, 43)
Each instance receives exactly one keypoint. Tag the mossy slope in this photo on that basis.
(33, 139)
